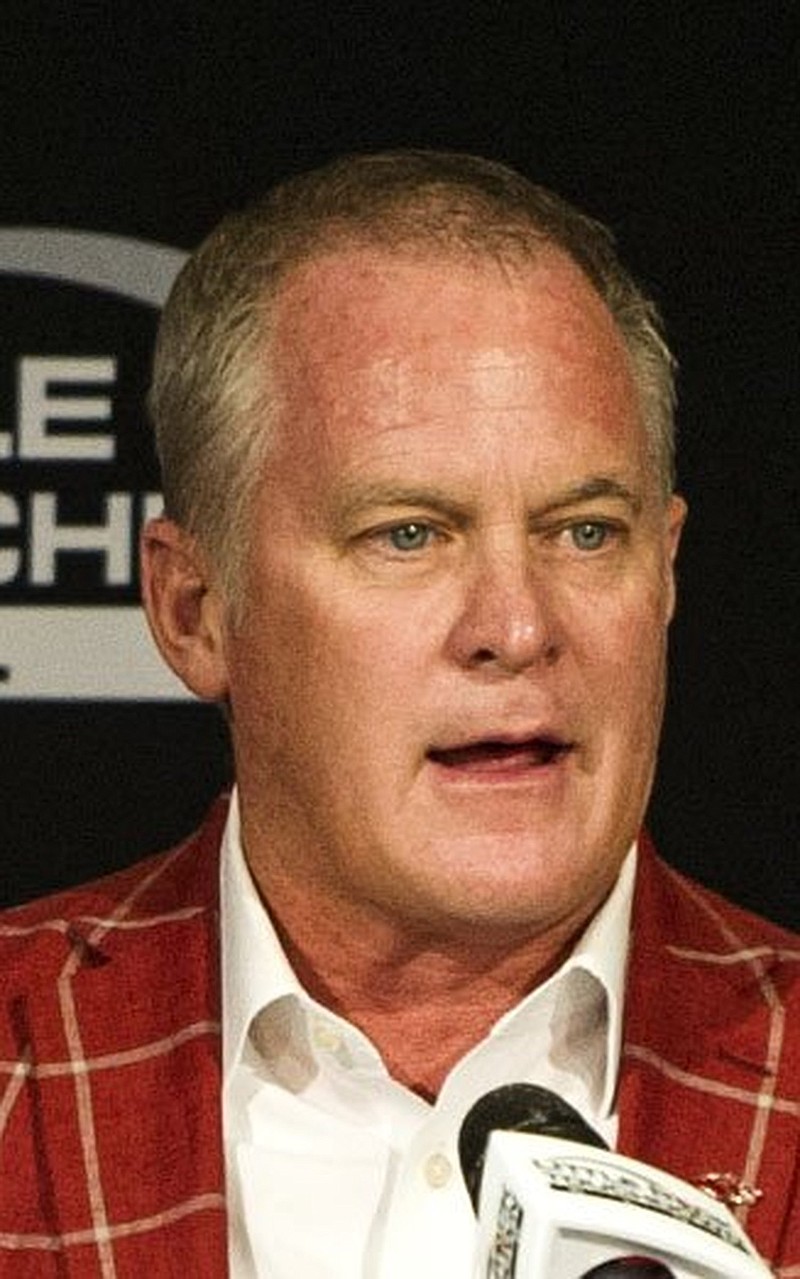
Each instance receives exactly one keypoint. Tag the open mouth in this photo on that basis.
(496, 755)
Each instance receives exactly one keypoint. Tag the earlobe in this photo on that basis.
(184, 608)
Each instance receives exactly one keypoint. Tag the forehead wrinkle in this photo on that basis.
(497, 375)
(392, 391)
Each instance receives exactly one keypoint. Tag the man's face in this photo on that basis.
(446, 683)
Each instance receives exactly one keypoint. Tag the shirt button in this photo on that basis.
(438, 1171)
(327, 1037)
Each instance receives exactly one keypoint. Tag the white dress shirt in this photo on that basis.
(336, 1171)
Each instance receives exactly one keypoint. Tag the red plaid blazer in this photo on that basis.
(110, 1146)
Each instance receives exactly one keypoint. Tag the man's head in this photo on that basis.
(444, 656)
(213, 399)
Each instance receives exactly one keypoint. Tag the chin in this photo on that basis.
(504, 889)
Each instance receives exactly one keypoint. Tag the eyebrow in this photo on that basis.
(364, 497)
(593, 487)
(357, 498)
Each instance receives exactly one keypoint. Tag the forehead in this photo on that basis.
(370, 340)
(350, 303)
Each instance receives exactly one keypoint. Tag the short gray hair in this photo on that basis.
(210, 399)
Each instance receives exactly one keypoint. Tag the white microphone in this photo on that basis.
(553, 1202)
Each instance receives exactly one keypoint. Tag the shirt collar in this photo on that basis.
(590, 986)
(256, 972)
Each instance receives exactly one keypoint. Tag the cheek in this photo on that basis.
(334, 663)
(387, 635)
(623, 653)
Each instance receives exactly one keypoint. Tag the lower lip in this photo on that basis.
(506, 770)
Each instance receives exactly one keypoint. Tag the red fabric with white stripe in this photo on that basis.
(110, 1144)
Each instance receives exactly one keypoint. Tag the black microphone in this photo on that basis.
(529, 1108)
(517, 1108)
(552, 1199)
(629, 1268)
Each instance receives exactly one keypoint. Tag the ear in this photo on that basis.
(184, 608)
(675, 519)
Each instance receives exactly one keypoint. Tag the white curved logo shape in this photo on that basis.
(138, 270)
(85, 652)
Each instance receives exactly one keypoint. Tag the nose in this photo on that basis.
(507, 621)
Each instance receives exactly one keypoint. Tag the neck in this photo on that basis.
(422, 999)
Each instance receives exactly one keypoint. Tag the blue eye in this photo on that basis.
(412, 536)
(590, 535)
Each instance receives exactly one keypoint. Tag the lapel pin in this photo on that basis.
(729, 1189)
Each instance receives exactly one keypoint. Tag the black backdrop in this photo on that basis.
(673, 122)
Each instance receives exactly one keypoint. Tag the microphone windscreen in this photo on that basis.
(517, 1108)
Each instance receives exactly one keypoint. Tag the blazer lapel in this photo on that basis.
(696, 1076)
(124, 1096)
